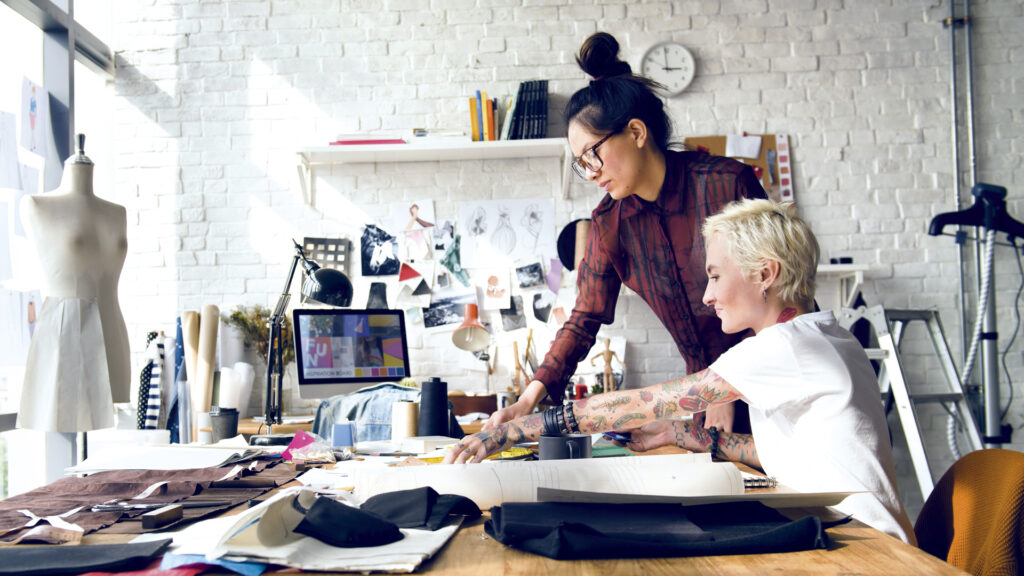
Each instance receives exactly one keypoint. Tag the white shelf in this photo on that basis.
(434, 150)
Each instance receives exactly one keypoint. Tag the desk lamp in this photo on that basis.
(472, 336)
(322, 286)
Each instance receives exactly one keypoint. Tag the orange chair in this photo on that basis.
(973, 519)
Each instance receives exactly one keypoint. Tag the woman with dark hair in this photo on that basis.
(646, 231)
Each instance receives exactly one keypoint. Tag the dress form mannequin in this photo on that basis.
(78, 361)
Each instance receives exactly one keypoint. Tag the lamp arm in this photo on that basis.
(275, 364)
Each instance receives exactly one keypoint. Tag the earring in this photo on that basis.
(764, 295)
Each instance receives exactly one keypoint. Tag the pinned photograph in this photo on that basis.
(543, 301)
(446, 306)
(512, 318)
(443, 234)
(530, 276)
(379, 252)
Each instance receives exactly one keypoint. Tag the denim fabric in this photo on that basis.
(369, 408)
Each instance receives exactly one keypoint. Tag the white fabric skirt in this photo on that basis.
(67, 384)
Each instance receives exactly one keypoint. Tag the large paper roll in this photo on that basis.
(245, 373)
(404, 419)
(202, 384)
(190, 340)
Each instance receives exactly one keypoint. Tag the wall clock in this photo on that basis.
(669, 64)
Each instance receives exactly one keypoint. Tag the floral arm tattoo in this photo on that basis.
(627, 409)
(734, 447)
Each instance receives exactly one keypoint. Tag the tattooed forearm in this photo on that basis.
(621, 421)
(612, 403)
(598, 424)
(664, 409)
(708, 389)
(734, 447)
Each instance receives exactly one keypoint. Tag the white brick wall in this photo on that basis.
(214, 99)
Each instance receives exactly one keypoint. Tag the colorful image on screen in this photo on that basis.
(359, 346)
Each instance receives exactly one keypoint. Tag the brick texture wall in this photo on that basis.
(214, 99)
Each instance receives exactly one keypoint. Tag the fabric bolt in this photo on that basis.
(67, 390)
(816, 418)
(40, 560)
(657, 250)
(566, 531)
(345, 526)
(420, 507)
(156, 353)
(145, 375)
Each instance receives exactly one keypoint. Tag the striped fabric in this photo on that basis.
(156, 354)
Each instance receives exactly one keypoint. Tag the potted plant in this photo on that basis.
(253, 322)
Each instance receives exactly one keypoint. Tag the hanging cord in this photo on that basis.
(1016, 327)
(986, 279)
(972, 354)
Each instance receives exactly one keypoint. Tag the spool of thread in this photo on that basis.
(404, 419)
(433, 408)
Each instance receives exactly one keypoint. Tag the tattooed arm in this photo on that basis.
(734, 447)
(621, 410)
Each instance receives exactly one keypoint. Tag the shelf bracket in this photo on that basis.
(306, 182)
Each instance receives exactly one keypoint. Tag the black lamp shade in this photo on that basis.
(328, 286)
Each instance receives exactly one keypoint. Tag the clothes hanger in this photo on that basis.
(988, 211)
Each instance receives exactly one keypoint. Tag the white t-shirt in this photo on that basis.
(816, 416)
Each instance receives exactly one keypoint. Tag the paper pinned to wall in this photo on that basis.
(742, 146)
(10, 175)
(35, 117)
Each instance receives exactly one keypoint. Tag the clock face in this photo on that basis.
(669, 64)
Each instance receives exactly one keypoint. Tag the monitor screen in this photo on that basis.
(341, 350)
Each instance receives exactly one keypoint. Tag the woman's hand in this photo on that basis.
(479, 446)
(720, 416)
(535, 390)
(652, 435)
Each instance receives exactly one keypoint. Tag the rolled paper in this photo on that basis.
(582, 232)
(433, 408)
(245, 373)
(202, 384)
(404, 420)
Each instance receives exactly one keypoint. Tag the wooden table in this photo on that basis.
(855, 549)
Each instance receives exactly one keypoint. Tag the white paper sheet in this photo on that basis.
(742, 146)
(173, 457)
(492, 483)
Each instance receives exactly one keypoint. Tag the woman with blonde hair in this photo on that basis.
(816, 418)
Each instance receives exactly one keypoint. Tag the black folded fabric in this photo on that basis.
(420, 507)
(566, 531)
(344, 526)
(78, 559)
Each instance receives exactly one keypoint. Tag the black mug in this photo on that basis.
(566, 447)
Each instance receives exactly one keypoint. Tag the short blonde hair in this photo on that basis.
(758, 230)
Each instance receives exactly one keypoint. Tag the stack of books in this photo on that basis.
(525, 115)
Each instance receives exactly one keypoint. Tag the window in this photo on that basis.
(36, 31)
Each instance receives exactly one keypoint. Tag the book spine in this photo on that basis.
(488, 119)
(517, 122)
(542, 126)
(479, 116)
(506, 128)
(474, 123)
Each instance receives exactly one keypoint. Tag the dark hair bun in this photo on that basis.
(599, 57)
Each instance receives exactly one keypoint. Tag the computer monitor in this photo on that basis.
(342, 350)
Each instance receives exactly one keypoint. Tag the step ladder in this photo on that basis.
(888, 326)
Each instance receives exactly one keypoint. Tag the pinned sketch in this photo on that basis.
(446, 306)
(504, 232)
(512, 318)
(495, 285)
(443, 235)
(379, 252)
(530, 276)
(35, 117)
(414, 222)
(10, 175)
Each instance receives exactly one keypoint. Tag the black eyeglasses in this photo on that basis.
(589, 160)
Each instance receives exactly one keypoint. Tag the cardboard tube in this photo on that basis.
(190, 341)
(404, 419)
(582, 233)
(202, 386)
